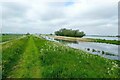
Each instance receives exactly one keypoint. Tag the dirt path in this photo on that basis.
(29, 64)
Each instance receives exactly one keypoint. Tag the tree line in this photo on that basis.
(69, 33)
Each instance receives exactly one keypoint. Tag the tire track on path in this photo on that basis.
(29, 64)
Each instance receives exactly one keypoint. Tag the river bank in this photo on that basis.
(76, 39)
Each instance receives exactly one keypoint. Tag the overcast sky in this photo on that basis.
(98, 17)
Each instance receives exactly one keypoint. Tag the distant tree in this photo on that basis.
(3, 34)
(28, 34)
(51, 34)
(69, 32)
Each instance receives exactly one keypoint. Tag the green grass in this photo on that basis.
(29, 64)
(107, 41)
(61, 61)
(11, 53)
(0, 61)
(7, 37)
(39, 58)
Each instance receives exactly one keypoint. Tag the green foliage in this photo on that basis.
(28, 34)
(70, 33)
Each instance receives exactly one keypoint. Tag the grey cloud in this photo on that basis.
(101, 13)
(11, 10)
(53, 13)
(98, 20)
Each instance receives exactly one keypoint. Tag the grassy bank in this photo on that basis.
(29, 63)
(11, 53)
(61, 61)
(40, 58)
(7, 37)
(106, 41)
(75, 39)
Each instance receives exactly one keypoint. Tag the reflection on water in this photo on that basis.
(109, 51)
(65, 41)
(106, 50)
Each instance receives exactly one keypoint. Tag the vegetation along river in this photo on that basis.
(109, 51)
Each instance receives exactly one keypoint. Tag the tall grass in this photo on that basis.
(60, 61)
(11, 54)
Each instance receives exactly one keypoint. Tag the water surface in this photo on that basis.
(97, 48)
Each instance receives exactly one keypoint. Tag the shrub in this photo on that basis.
(69, 33)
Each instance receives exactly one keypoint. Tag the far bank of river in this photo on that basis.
(103, 37)
(76, 39)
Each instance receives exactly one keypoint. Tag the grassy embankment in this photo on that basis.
(11, 53)
(39, 58)
(29, 64)
(73, 39)
(7, 37)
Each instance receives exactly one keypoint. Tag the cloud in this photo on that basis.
(11, 10)
(91, 16)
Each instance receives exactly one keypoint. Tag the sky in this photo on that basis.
(94, 17)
